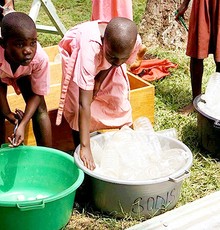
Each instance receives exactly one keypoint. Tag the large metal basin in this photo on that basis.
(137, 198)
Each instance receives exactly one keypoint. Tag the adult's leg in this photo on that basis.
(196, 72)
(41, 121)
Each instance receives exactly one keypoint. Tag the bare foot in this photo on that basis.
(187, 109)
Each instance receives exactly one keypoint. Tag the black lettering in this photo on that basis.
(137, 207)
(160, 201)
(172, 195)
(150, 203)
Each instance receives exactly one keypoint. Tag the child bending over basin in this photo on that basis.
(95, 86)
(24, 65)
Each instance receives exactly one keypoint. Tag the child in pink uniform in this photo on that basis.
(105, 10)
(203, 39)
(25, 66)
(95, 86)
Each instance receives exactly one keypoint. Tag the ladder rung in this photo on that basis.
(47, 29)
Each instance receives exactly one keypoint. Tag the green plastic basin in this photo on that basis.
(37, 188)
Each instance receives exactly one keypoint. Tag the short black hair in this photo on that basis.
(14, 22)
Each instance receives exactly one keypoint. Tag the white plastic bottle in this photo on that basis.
(172, 132)
(143, 124)
(212, 92)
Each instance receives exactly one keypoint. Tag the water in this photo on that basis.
(25, 195)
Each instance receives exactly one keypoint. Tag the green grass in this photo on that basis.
(172, 93)
(70, 12)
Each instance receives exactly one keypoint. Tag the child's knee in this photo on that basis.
(41, 110)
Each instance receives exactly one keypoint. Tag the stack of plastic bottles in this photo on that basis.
(136, 154)
(210, 103)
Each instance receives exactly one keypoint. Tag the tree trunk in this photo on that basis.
(159, 27)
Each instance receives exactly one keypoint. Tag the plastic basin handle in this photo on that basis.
(185, 175)
(27, 207)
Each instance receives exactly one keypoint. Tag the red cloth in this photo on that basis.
(204, 29)
(154, 69)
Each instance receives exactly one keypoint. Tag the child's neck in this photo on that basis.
(14, 67)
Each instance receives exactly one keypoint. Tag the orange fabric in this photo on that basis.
(154, 69)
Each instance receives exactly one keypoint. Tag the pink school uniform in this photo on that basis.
(38, 69)
(105, 10)
(82, 59)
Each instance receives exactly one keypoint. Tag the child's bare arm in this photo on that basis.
(4, 106)
(31, 106)
(85, 100)
(181, 10)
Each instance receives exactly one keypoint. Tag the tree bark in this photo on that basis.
(159, 27)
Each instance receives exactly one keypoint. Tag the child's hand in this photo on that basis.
(139, 58)
(17, 137)
(181, 10)
(16, 117)
(86, 157)
(9, 4)
(19, 114)
(8, 8)
(11, 117)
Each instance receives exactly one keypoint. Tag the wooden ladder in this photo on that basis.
(49, 8)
